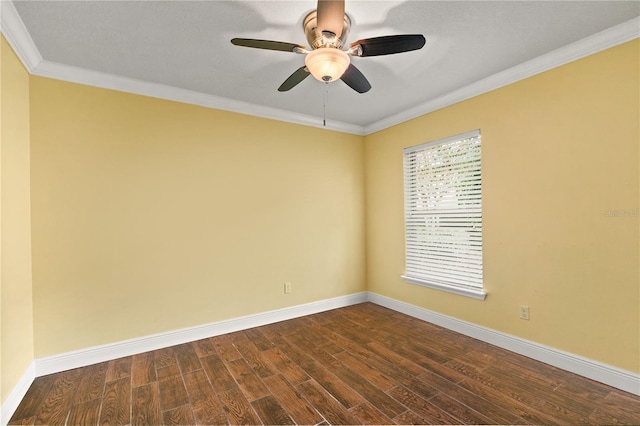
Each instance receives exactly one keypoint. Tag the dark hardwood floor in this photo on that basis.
(364, 364)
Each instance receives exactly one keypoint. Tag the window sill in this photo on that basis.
(476, 294)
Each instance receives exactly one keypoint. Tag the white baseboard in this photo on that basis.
(612, 376)
(607, 374)
(10, 405)
(96, 354)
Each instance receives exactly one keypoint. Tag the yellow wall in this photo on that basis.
(559, 150)
(151, 216)
(16, 308)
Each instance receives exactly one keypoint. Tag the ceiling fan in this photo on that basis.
(327, 29)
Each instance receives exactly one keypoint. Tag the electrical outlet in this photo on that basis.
(287, 288)
(524, 312)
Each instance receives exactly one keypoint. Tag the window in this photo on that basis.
(443, 215)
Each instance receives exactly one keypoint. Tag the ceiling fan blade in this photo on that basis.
(387, 45)
(355, 79)
(268, 44)
(295, 78)
(330, 16)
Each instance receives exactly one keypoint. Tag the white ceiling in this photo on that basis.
(185, 45)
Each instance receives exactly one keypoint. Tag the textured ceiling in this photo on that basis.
(185, 44)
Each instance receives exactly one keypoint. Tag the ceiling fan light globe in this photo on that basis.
(327, 63)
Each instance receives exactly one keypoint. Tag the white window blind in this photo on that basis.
(443, 214)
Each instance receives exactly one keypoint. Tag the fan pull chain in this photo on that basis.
(324, 107)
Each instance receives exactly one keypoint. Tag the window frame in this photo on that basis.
(411, 276)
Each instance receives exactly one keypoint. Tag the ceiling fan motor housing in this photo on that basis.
(318, 38)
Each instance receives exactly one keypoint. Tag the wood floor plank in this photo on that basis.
(271, 412)
(427, 411)
(209, 416)
(91, 383)
(321, 317)
(168, 372)
(145, 408)
(187, 358)
(203, 399)
(225, 348)
(298, 408)
(513, 392)
(282, 328)
(55, 407)
(419, 345)
(179, 416)
(584, 390)
(236, 336)
(285, 366)
(85, 413)
(260, 340)
(438, 366)
(526, 412)
(350, 334)
(460, 411)
(116, 404)
(325, 404)
(143, 369)
(543, 373)
(254, 357)
(369, 415)
(32, 401)
(164, 357)
(478, 357)
(389, 406)
(520, 378)
(237, 408)
(29, 421)
(338, 389)
(366, 371)
(319, 338)
(410, 418)
(269, 331)
(251, 385)
(402, 376)
(492, 410)
(526, 368)
(201, 393)
(389, 355)
(565, 413)
(345, 343)
(217, 372)
(172, 393)
(421, 337)
(119, 368)
(204, 347)
(557, 404)
(617, 408)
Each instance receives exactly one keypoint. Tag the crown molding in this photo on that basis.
(124, 84)
(20, 40)
(17, 35)
(595, 43)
